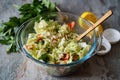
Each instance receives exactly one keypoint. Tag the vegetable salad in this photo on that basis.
(54, 43)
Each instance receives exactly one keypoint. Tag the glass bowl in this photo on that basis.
(56, 69)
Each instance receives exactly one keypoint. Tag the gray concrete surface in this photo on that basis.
(97, 68)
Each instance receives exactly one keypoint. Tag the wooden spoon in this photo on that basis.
(103, 18)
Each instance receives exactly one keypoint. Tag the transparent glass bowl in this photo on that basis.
(56, 69)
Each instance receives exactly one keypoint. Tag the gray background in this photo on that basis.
(97, 68)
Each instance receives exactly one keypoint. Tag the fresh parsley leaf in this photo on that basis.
(45, 57)
(4, 41)
(12, 48)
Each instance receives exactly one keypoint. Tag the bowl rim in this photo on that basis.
(21, 47)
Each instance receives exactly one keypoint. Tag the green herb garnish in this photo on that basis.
(44, 57)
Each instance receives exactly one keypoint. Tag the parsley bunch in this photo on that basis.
(42, 8)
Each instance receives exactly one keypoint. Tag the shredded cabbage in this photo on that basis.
(55, 43)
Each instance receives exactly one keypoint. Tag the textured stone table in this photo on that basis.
(14, 67)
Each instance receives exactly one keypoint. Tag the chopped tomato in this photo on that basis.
(65, 56)
(39, 37)
(71, 25)
(54, 40)
(29, 46)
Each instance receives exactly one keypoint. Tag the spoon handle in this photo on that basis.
(104, 17)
